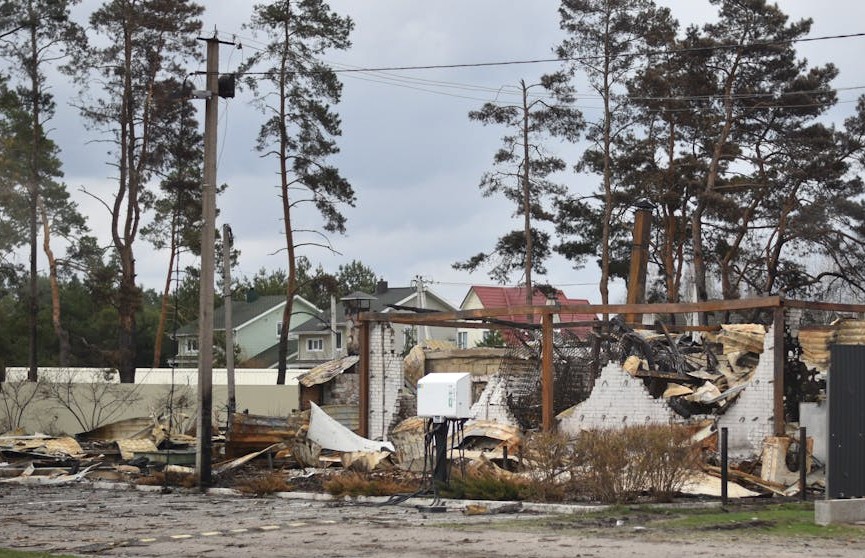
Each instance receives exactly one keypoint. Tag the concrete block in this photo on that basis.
(829, 512)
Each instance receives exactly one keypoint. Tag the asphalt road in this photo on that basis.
(86, 520)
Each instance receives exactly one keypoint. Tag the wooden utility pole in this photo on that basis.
(227, 241)
(363, 380)
(204, 448)
(547, 390)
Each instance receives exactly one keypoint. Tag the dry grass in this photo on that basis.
(362, 484)
(159, 478)
(261, 485)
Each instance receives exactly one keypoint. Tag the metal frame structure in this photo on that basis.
(492, 318)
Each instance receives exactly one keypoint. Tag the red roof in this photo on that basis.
(509, 297)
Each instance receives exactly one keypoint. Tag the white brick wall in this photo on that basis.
(492, 403)
(750, 418)
(618, 400)
(385, 380)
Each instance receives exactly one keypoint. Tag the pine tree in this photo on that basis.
(523, 167)
(296, 96)
(176, 224)
(142, 43)
(606, 40)
(42, 34)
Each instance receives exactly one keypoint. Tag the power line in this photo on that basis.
(382, 76)
(649, 53)
(599, 57)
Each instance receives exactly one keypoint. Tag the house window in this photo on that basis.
(338, 340)
(314, 345)
(278, 329)
(463, 339)
(192, 345)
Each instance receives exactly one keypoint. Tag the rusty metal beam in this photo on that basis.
(779, 356)
(363, 380)
(830, 306)
(547, 394)
(663, 308)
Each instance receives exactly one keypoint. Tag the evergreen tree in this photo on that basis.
(40, 34)
(141, 43)
(296, 96)
(606, 39)
(176, 224)
(523, 167)
(753, 60)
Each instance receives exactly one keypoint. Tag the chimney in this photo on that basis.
(251, 295)
(381, 287)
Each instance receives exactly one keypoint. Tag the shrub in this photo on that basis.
(616, 466)
(672, 460)
(482, 485)
(550, 456)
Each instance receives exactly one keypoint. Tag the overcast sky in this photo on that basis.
(408, 148)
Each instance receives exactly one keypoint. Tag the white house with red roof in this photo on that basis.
(511, 297)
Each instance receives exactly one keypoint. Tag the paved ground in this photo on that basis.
(85, 520)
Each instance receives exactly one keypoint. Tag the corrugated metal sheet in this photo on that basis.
(329, 370)
(845, 476)
(135, 428)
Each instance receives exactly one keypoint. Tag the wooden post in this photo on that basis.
(639, 258)
(547, 395)
(779, 355)
(363, 377)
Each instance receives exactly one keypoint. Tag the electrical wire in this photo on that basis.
(376, 75)
(648, 53)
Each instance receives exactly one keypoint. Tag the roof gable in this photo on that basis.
(511, 297)
(243, 312)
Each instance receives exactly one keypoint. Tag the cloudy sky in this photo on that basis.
(408, 148)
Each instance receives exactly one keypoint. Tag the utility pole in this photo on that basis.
(227, 242)
(423, 332)
(204, 449)
(334, 354)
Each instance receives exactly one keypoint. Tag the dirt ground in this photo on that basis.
(87, 520)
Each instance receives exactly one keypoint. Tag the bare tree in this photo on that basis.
(92, 401)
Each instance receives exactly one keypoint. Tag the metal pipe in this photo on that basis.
(803, 469)
(227, 241)
(724, 470)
